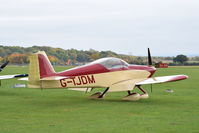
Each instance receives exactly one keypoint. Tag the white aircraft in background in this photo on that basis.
(9, 76)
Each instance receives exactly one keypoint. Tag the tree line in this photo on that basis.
(19, 55)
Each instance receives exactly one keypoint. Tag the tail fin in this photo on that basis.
(39, 67)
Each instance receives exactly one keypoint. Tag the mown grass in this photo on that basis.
(25, 110)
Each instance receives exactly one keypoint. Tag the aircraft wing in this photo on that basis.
(162, 79)
(7, 76)
(13, 76)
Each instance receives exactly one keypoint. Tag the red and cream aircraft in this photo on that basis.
(113, 74)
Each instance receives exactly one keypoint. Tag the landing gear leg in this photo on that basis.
(102, 95)
(99, 95)
(144, 95)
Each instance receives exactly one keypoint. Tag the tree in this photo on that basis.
(1, 59)
(18, 58)
(83, 57)
(95, 56)
(180, 58)
(53, 59)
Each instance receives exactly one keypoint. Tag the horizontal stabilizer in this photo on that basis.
(53, 78)
(24, 79)
(163, 79)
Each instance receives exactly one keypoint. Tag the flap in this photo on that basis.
(163, 79)
(81, 89)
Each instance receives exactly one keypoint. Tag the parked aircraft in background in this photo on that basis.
(9, 76)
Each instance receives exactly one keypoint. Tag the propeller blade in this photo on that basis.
(149, 58)
(4, 65)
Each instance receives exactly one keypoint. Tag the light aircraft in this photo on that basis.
(113, 74)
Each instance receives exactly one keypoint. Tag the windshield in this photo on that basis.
(111, 63)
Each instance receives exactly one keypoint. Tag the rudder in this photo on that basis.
(39, 67)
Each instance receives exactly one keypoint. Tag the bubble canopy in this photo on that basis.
(111, 63)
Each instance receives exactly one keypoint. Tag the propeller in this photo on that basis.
(4, 65)
(150, 64)
(149, 58)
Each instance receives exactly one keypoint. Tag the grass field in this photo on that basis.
(25, 110)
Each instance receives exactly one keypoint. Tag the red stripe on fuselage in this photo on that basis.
(47, 70)
(150, 69)
(97, 68)
(84, 70)
(137, 67)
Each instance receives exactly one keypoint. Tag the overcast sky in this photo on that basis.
(168, 27)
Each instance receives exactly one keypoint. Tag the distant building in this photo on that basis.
(68, 62)
(161, 65)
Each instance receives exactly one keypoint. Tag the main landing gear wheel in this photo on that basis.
(144, 96)
(136, 96)
(132, 97)
(96, 95)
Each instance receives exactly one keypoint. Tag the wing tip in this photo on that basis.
(180, 77)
